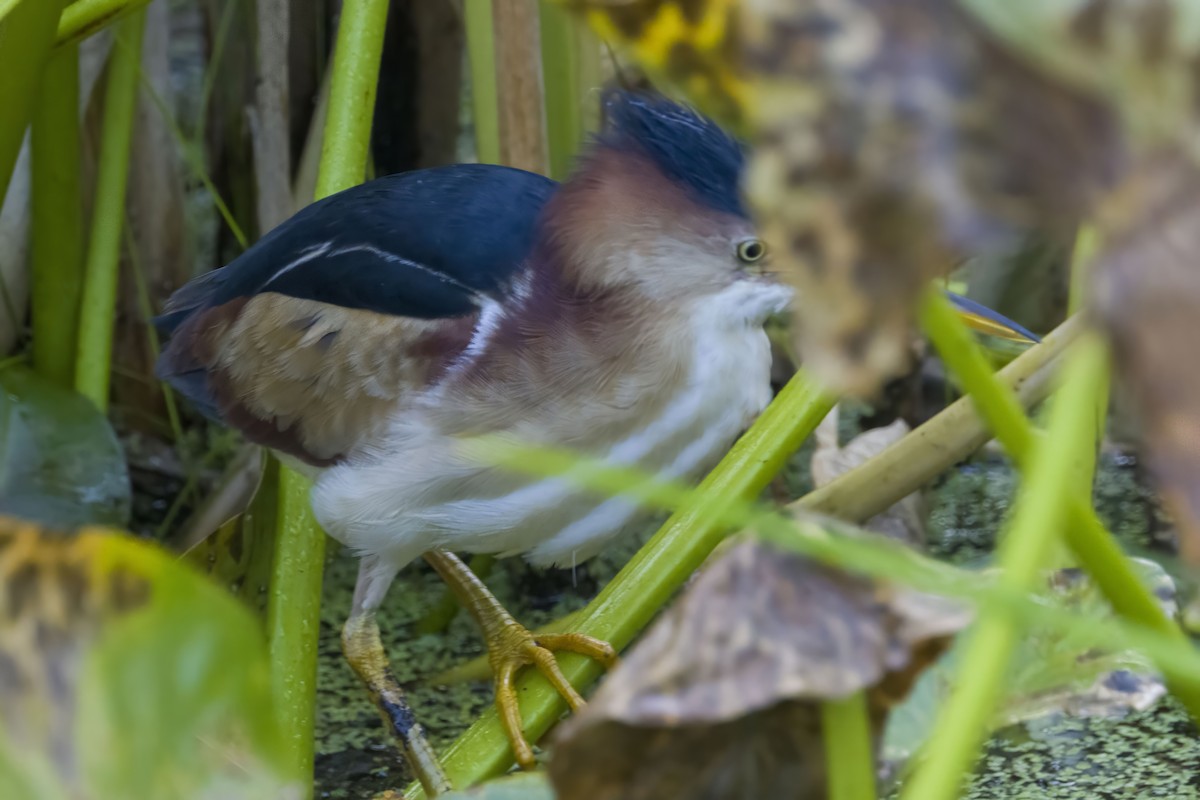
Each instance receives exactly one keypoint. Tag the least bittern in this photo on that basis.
(377, 334)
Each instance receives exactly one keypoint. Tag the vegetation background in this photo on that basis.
(152, 142)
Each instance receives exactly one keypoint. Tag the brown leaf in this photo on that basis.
(720, 699)
(904, 520)
(1146, 295)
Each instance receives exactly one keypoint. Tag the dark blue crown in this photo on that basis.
(689, 148)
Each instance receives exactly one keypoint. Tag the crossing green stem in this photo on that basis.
(98, 303)
(58, 239)
(295, 595)
(849, 755)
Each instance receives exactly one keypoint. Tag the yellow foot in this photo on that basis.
(512, 647)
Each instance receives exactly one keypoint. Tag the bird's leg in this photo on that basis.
(512, 646)
(364, 651)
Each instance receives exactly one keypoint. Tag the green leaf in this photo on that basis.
(60, 462)
(128, 675)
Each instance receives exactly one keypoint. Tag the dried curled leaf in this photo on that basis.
(1146, 295)
(904, 521)
(720, 699)
(124, 674)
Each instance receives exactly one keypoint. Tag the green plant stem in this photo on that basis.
(347, 142)
(58, 244)
(570, 70)
(293, 606)
(1091, 544)
(193, 156)
(849, 756)
(949, 437)
(82, 18)
(634, 596)
(1040, 515)
(481, 50)
(26, 35)
(293, 619)
(98, 303)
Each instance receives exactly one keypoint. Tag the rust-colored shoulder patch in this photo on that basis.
(311, 379)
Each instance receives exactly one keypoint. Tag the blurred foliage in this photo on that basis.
(125, 674)
(60, 462)
(893, 137)
(1146, 293)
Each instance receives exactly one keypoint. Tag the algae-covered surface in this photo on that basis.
(1146, 754)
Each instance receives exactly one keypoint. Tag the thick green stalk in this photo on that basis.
(58, 243)
(849, 755)
(347, 143)
(26, 35)
(1040, 515)
(481, 49)
(943, 441)
(571, 71)
(293, 618)
(1090, 543)
(99, 299)
(635, 595)
(82, 18)
(295, 597)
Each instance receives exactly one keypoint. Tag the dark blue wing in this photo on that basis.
(305, 340)
(424, 244)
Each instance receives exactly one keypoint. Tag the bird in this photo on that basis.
(376, 337)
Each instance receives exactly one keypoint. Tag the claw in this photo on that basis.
(511, 646)
(516, 647)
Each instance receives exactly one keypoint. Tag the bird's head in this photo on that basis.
(654, 204)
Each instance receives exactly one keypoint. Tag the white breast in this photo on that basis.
(388, 507)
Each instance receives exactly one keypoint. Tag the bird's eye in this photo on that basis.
(751, 250)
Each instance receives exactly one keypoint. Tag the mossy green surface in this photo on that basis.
(1146, 754)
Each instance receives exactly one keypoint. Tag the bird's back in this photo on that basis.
(309, 338)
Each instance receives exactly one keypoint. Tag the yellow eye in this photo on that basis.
(751, 250)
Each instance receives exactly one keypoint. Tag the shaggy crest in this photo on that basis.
(688, 147)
